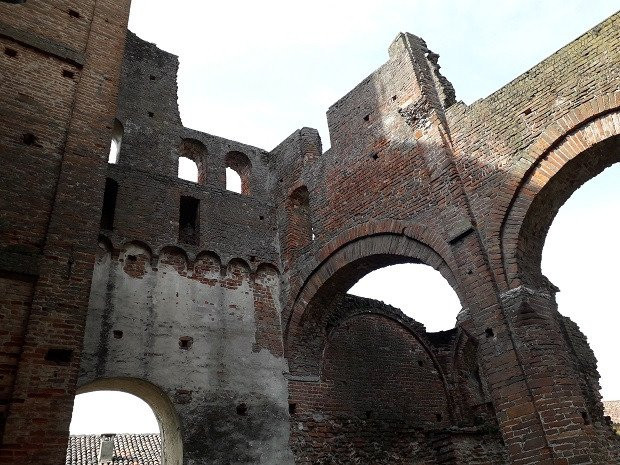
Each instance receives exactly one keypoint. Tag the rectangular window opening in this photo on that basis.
(109, 204)
(188, 220)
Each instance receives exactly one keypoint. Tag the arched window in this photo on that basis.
(238, 164)
(192, 161)
(117, 139)
(188, 169)
(123, 417)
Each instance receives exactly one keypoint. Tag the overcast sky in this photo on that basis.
(256, 71)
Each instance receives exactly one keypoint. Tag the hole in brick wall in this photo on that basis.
(29, 138)
(253, 258)
(375, 156)
(367, 118)
(185, 342)
(292, 407)
(151, 77)
(438, 416)
(188, 220)
(68, 74)
(117, 333)
(368, 414)
(151, 114)
(489, 332)
(242, 409)
(393, 98)
(59, 355)
(131, 258)
(262, 217)
(528, 111)
(586, 418)
(11, 52)
(109, 204)
(420, 363)
(74, 14)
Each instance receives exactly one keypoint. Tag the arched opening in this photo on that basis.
(238, 171)
(552, 181)
(188, 169)
(124, 418)
(115, 144)
(418, 290)
(376, 378)
(192, 161)
(580, 257)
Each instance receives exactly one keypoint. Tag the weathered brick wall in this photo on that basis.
(227, 285)
(60, 68)
(383, 396)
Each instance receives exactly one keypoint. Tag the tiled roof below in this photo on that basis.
(129, 449)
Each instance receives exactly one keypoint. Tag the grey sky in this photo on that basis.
(256, 71)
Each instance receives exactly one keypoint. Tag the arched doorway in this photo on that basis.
(162, 408)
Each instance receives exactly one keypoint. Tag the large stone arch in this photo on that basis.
(571, 152)
(338, 272)
(156, 398)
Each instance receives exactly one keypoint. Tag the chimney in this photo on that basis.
(106, 451)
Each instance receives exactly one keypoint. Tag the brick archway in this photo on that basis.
(350, 262)
(570, 153)
(157, 399)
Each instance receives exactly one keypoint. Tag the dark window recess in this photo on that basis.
(292, 407)
(11, 52)
(74, 14)
(109, 204)
(68, 74)
(15, 2)
(59, 355)
(188, 220)
(118, 334)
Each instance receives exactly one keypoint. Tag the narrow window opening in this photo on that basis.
(74, 14)
(438, 416)
(117, 139)
(68, 74)
(188, 220)
(375, 156)
(233, 181)
(292, 407)
(15, 2)
(368, 414)
(489, 332)
(188, 169)
(117, 333)
(10, 52)
(109, 204)
(367, 118)
(420, 363)
(151, 77)
(151, 114)
(238, 170)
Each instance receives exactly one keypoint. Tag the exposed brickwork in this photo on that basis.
(222, 308)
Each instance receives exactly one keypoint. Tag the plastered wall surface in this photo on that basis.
(228, 312)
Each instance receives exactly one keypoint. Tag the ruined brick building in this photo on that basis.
(228, 312)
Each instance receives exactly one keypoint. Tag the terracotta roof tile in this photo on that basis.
(129, 449)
